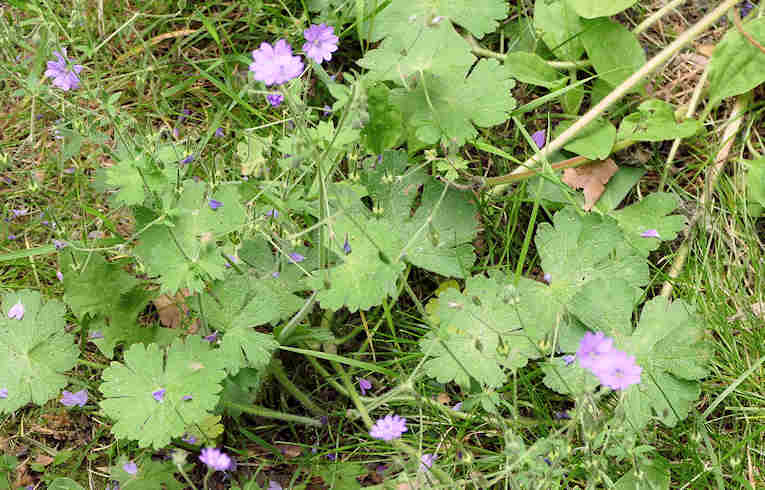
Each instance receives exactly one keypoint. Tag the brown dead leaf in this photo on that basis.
(289, 450)
(592, 177)
(171, 310)
(443, 398)
(43, 459)
(706, 50)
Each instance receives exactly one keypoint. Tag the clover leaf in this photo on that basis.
(154, 395)
(182, 249)
(35, 350)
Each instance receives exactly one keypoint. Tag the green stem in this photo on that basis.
(277, 369)
(479, 50)
(92, 364)
(185, 476)
(286, 332)
(271, 414)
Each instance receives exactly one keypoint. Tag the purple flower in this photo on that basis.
(650, 234)
(617, 370)
(562, 415)
(212, 337)
(215, 459)
(219, 133)
(63, 77)
(70, 399)
(275, 64)
(12, 237)
(592, 348)
(18, 212)
(182, 117)
(364, 385)
(275, 274)
(322, 42)
(547, 278)
(569, 359)
(69, 170)
(275, 99)
(58, 244)
(540, 137)
(296, 257)
(215, 204)
(189, 439)
(273, 213)
(130, 468)
(59, 276)
(346, 246)
(388, 428)
(16, 311)
(159, 394)
(746, 8)
(272, 485)
(188, 159)
(3, 393)
(95, 335)
(457, 407)
(426, 461)
(187, 398)
(326, 110)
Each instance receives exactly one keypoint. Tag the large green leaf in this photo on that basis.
(35, 351)
(531, 68)
(189, 368)
(737, 66)
(590, 9)
(614, 51)
(561, 28)
(595, 141)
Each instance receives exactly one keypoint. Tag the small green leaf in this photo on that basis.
(736, 65)
(62, 483)
(561, 28)
(614, 51)
(655, 121)
(651, 213)
(342, 475)
(650, 475)
(151, 475)
(755, 181)
(589, 9)
(531, 68)
(35, 351)
(188, 368)
(595, 141)
(384, 128)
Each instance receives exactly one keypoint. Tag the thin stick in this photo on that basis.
(651, 20)
(626, 86)
(733, 124)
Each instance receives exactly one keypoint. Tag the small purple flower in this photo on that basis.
(182, 117)
(650, 234)
(326, 111)
(547, 278)
(18, 212)
(275, 274)
(274, 65)
(457, 407)
(272, 485)
(3, 393)
(95, 335)
(296, 257)
(275, 99)
(69, 170)
(231, 260)
(159, 394)
(16, 311)
(540, 138)
(176, 133)
(130, 468)
(215, 459)
(187, 160)
(346, 246)
(618, 371)
(569, 359)
(215, 204)
(562, 415)
(426, 461)
(12, 237)
(322, 42)
(188, 438)
(59, 276)
(63, 77)
(324, 420)
(388, 428)
(187, 398)
(58, 244)
(70, 399)
(332, 456)
(219, 133)
(364, 385)
(746, 8)
(592, 348)
(272, 213)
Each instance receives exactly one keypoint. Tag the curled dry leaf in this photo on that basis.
(443, 398)
(592, 178)
(172, 310)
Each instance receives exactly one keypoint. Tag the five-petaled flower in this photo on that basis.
(388, 428)
(130, 468)
(426, 461)
(16, 311)
(215, 459)
(79, 398)
(613, 367)
(159, 394)
(539, 137)
(322, 42)
(64, 76)
(274, 65)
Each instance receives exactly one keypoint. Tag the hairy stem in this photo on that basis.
(277, 369)
(271, 414)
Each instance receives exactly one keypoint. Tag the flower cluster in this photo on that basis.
(614, 368)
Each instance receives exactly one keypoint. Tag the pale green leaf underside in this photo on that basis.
(35, 351)
(189, 367)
